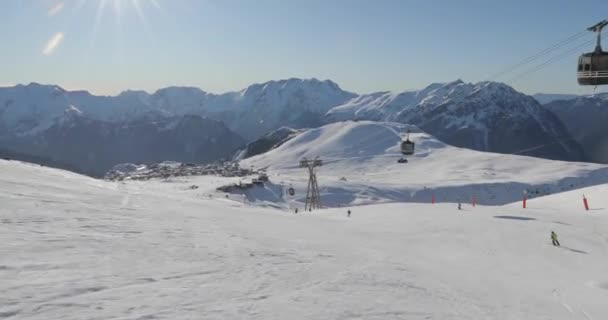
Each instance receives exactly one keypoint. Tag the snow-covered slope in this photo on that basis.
(365, 154)
(72, 247)
(572, 201)
(386, 106)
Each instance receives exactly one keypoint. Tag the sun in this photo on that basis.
(117, 8)
(119, 4)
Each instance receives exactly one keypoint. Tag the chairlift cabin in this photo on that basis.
(593, 66)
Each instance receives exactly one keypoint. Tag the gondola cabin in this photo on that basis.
(592, 69)
(407, 147)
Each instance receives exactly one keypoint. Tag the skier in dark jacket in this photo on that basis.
(348, 213)
(554, 239)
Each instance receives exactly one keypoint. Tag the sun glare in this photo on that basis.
(119, 5)
(102, 7)
(53, 43)
(56, 8)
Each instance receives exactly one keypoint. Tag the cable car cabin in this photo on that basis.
(593, 69)
(593, 66)
(407, 147)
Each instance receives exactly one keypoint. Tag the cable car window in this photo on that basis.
(580, 67)
(587, 67)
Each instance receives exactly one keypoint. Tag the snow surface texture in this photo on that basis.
(72, 247)
(365, 154)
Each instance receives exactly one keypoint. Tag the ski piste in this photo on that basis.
(161, 247)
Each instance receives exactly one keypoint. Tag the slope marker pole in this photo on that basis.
(585, 203)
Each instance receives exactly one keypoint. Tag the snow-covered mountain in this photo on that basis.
(95, 146)
(251, 112)
(259, 108)
(29, 109)
(48, 121)
(383, 106)
(486, 116)
(296, 103)
(586, 119)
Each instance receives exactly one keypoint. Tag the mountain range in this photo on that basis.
(189, 124)
(251, 112)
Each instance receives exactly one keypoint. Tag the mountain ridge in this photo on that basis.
(486, 116)
(252, 111)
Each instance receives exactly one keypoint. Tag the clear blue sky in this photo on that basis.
(224, 45)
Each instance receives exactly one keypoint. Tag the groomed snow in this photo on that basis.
(76, 248)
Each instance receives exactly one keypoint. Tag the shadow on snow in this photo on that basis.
(514, 218)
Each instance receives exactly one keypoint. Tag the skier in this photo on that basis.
(554, 239)
(348, 213)
(459, 206)
(296, 210)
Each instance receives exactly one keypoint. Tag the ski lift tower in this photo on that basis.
(313, 196)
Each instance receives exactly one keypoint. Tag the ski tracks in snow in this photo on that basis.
(571, 310)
